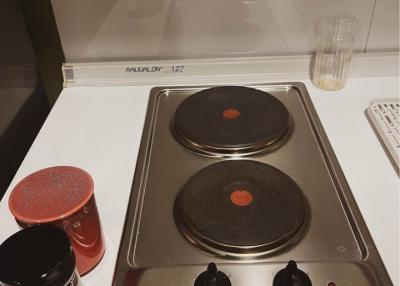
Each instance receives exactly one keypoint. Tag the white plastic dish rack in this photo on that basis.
(385, 116)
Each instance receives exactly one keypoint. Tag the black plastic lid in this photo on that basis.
(37, 256)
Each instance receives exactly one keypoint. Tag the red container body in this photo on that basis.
(63, 196)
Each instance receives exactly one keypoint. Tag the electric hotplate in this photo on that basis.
(240, 186)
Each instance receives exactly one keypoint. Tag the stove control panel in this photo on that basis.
(258, 274)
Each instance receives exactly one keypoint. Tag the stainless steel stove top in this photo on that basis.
(333, 247)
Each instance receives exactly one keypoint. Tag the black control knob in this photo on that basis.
(291, 276)
(212, 277)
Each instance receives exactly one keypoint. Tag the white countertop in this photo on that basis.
(99, 129)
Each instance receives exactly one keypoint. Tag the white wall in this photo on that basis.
(384, 33)
(112, 30)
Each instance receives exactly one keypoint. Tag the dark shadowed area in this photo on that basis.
(23, 102)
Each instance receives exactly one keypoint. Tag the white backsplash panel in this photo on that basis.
(384, 34)
(110, 30)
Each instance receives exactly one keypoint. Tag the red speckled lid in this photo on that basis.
(51, 194)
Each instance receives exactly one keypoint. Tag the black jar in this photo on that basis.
(38, 256)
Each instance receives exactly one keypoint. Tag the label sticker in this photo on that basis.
(155, 69)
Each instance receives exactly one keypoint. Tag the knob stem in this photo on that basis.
(212, 277)
(291, 276)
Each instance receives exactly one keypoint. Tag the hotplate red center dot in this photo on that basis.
(241, 198)
(231, 113)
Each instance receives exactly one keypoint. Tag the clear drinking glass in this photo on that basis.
(333, 54)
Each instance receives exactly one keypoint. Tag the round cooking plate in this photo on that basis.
(230, 120)
(239, 207)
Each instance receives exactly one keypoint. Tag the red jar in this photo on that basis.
(63, 196)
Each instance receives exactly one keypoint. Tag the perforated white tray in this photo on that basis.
(385, 115)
